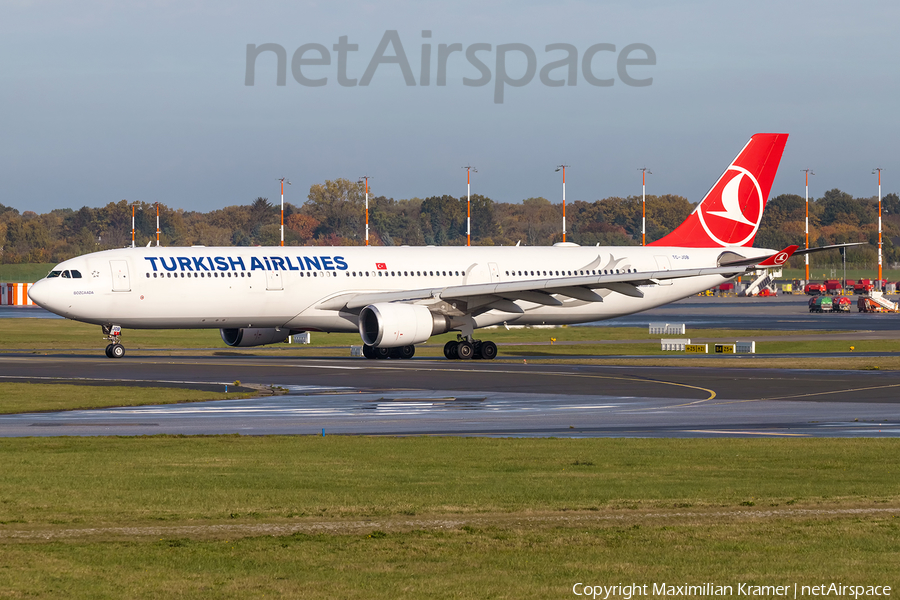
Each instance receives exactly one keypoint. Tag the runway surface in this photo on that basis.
(437, 397)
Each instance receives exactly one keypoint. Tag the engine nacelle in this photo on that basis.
(254, 336)
(390, 325)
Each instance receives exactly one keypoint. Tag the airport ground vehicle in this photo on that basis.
(841, 304)
(814, 289)
(863, 286)
(833, 286)
(821, 304)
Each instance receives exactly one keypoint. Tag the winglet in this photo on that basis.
(778, 259)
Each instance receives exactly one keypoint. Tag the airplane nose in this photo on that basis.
(39, 293)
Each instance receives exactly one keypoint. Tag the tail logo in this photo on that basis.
(733, 209)
(781, 258)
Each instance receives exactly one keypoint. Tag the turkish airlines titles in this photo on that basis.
(231, 263)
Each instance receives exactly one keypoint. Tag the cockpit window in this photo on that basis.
(66, 274)
(53, 274)
(76, 274)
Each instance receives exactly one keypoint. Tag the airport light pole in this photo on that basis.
(469, 170)
(806, 256)
(283, 180)
(644, 172)
(878, 170)
(563, 169)
(366, 179)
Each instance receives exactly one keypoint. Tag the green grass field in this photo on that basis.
(24, 273)
(37, 397)
(237, 517)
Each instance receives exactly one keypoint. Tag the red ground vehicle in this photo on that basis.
(842, 304)
(814, 289)
(833, 286)
(863, 286)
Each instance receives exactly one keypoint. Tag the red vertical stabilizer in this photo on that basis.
(730, 213)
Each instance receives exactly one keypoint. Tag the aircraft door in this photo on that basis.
(495, 272)
(120, 280)
(273, 280)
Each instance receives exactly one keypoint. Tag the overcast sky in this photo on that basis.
(104, 100)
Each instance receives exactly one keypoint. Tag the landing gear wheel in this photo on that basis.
(395, 353)
(465, 350)
(113, 333)
(488, 350)
(382, 353)
(407, 352)
(368, 351)
(450, 350)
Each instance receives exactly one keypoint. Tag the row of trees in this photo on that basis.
(334, 214)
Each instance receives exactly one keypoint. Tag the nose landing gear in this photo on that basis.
(113, 333)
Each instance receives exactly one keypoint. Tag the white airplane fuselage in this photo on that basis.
(243, 287)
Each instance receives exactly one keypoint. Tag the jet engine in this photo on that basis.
(390, 325)
(254, 336)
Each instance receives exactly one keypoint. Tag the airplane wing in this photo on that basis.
(502, 295)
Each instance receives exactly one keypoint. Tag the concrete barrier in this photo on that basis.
(356, 351)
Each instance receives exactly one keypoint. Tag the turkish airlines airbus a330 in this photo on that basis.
(397, 297)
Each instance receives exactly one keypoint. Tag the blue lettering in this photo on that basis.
(278, 263)
(152, 260)
(326, 263)
(220, 260)
(174, 266)
(236, 262)
(212, 267)
(256, 264)
(268, 266)
(185, 263)
(290, 265)
(341, 265)
(310, 262)
(198, 262)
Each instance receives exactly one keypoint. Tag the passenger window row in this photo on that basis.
(572, 273)
(382, 273)
(195, 274)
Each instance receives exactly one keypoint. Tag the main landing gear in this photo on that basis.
(113, 333)
(373, 352)
(465, 348)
